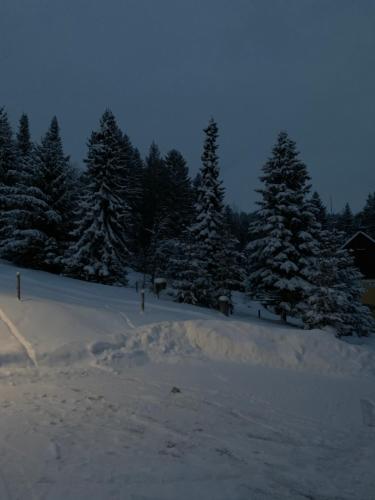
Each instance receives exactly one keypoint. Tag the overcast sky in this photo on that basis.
(166, 66)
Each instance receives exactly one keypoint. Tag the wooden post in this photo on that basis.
(142, 300)
(136, 286)
(224, 305)
(259, 313)
(18, 279)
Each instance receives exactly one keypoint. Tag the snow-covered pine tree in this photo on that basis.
(56, 179)
(231, 272)
(336, 298)
(327, 296)
(24, 208)
(357, 318)
(184, 268)
(100, 252)
(201, 274)
(281, 258)
(196, 183)
(7, 168)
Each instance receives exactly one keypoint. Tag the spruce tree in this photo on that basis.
(24, 208)
(25, 152)
(100, 252)
(178, 214)
(154, 213)
(7, 150)
(346, 223)
(201, 280)
(56, 179)
(367, 216)
(196, 183)
(336, 299)
(184, 269)
(133, 172)
(320, 209)
(180, 196)
(231, 272)
(282, 255)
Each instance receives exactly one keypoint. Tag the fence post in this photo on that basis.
(142, 300)
(224, 304)
(18, 279)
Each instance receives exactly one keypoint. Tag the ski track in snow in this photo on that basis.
(123, 315)
(19, 337)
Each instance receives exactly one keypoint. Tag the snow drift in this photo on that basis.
(63, 321)
(237, 341)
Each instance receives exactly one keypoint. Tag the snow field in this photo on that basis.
(260, 411)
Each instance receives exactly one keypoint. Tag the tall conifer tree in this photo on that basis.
(367, 216)
(199, 280)
(281, 257)
(7, 150)
(100, 252)
(56, 180)
(25, 211)
(346, 222)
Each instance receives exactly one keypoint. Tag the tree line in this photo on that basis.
(124, 211)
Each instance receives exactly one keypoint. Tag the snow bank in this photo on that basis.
(236, 341)
(65, 321)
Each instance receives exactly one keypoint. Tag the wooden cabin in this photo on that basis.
(362, 247)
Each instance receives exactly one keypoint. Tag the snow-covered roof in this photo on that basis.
(355, 236)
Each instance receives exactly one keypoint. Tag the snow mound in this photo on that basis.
(235, 341)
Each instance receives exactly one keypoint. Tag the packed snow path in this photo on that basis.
(175, 402)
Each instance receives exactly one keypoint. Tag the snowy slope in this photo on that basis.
(261, 410)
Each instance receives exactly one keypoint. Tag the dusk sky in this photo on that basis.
(165, 67)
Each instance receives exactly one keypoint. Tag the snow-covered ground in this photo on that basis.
(101, 401)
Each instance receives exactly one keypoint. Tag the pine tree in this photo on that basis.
(25, 151)
(200, 279)
(320, 209)
(100, 252)
(133, 182)
(154, 213)
(184, 269)
(56, 179)
(231, 273)
(346, 223)
(195, 185)
(336, 299)
(282, 255)
(133, 173)
(7, 151)
(177, 216)
(24, 208)
(180, 196)
(367, 216)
